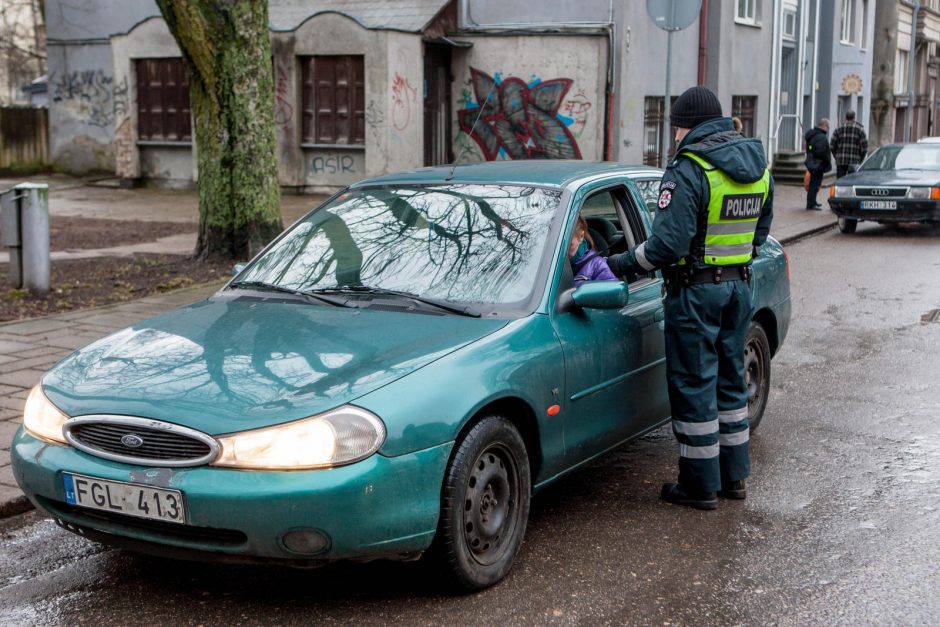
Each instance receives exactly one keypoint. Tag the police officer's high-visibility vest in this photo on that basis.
(733, 211)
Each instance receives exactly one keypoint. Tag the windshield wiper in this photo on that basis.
(270, 287)
(434, 302)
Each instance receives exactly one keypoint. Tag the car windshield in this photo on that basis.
(464, 243)
(910, 157)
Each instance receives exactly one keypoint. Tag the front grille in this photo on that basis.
(174, 531)
(881, 192)
(140, 441)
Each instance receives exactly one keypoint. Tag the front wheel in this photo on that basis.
(484, 505)
(847, 225)
(756, 372)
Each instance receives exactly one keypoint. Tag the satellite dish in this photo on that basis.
(673, 15)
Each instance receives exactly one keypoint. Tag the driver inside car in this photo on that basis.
(586, 263)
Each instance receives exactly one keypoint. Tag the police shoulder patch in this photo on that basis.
(665, 197)
(667, 185)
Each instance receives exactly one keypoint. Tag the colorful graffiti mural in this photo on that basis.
(517, 120)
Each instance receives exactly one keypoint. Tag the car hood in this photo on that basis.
(228, 365)
(891, 177)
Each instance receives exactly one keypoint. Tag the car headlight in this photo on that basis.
(42, 419)
(923, 193)
(843, 191)
(342, 436)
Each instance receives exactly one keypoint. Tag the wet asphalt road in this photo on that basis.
(841, 525)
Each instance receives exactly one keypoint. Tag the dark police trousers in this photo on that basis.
(705, 330)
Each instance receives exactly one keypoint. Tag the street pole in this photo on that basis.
(908, 112)
(667, 105)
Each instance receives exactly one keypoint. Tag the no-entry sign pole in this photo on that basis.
(671, 16)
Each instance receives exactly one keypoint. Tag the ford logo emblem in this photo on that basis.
(132, 440)
(880, 192)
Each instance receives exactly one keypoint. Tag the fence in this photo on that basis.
(24, 137)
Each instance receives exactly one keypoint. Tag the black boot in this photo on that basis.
(674, 493)
(733, 490)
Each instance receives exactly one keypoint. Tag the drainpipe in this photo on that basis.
(801, 72)
(774, 86)
(703, 43)
(911, 56)
(815, 67)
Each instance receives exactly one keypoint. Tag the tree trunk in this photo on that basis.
(226, 45)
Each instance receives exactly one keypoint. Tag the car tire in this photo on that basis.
(756, 373)
(847, 225)
(484, 506)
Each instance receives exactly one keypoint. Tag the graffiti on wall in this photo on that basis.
(577, 108)
(518, 120)
(404, 101)
(333, 164)
(283, 110)
(89, 94)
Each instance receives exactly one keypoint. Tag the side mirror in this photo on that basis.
(601, 295)
(237, 268)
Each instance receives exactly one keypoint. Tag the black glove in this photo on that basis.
(613, 262)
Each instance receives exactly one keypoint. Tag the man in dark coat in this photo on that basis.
(715, 208)
(849, 145)
(818, 160)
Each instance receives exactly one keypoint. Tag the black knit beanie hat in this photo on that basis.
(695, 105)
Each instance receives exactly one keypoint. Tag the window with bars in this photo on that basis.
(163, 101)
(333, 100)
(653, 128)
(743, 108)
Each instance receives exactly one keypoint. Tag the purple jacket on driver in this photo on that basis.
(591, 267)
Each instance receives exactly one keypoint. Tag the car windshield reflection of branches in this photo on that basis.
(471, 243)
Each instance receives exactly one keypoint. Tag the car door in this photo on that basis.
(614, 378)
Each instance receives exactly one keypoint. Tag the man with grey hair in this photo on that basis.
(849, 145)
(818, 160)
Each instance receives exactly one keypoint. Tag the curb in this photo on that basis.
(17, 505)
(819, 230)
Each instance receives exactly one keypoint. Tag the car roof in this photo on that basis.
(541, 172)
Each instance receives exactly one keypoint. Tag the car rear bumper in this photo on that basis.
(379, 507)
(907, 210)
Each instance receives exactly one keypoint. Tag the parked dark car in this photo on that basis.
(897, 183)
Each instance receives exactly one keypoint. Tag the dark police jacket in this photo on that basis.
(684, 194)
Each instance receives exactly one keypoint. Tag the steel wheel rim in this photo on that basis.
(491, 504)
(754, 376)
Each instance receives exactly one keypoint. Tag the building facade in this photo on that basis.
(899, 103)
(372, 86)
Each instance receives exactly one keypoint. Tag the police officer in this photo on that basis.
(715, 208)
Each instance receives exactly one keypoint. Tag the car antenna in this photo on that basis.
(472, 128)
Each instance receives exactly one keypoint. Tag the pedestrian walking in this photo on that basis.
(848, 145)
(818, 160)
(715, 208)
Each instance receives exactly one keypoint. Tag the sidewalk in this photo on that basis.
(29, 347)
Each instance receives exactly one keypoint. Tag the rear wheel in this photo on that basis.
(484, 505)
(847, 225)
(756, 372)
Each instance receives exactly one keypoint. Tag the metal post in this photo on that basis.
(10, 235)
(666, 103)
(34, 226)
(911, 56)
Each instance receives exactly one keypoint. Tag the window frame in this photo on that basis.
(741, 104)
(174, 109)
(849, 23)
(749, 17)
(350, 133)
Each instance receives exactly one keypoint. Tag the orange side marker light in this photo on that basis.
(553, 410)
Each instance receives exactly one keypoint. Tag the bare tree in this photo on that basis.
(22, 45)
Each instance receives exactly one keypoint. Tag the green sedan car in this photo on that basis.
(396, 374)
